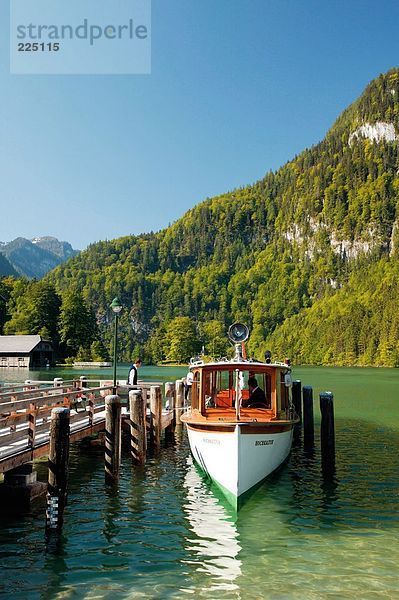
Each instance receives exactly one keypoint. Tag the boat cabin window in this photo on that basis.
(195, 403)
(219, 388)
(284, 393)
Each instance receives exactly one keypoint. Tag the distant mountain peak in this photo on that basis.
(36, 240)
(61, 249)
(36, 257)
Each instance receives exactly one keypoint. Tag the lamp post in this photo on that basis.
(116, 308)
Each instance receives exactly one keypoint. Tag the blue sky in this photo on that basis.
(238, 87)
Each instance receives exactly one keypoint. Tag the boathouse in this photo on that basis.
(25, 352)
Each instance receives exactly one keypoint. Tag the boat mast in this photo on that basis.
(238, 399)
(238, 352)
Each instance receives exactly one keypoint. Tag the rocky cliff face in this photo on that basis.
(376, 132)
(63, 250)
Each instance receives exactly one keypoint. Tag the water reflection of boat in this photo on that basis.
(215, 540)
(239, 436)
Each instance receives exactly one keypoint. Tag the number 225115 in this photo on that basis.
(39, 47)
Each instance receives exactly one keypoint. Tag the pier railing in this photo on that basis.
(25, 414)
(24, 419)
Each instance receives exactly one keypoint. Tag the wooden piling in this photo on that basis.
(296, 397)
(112, 438)
(31, 425)
(179, 402)
(170, 394)
(155, 417)
(327, 430)
(58, 468)
(308, 420)
(90, 409)
(138, 430)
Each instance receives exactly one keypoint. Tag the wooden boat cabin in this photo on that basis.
(217, 385)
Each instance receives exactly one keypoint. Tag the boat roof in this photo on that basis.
(242, 365)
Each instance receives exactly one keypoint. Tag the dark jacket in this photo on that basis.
(258, 395)
(132, 374)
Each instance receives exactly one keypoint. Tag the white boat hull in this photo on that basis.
(238, 459)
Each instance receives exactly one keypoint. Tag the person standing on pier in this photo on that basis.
(188, 382)
(132, 377)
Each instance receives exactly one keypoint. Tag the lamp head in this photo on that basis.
(116, 305)
(238, 333)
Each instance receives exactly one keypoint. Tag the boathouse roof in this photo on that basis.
(22, 344)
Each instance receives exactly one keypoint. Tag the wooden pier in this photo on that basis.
(29, 429)
(25, 414)
(43, 418)
(25, 423)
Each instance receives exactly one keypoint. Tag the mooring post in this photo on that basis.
(327, 430)
(91, 408)
(81, 401)
(112, 438)
(58, 468)
(31, 425)
(170, 394)
(308, 420)
(179, 404)
(296, 397)
(138, 430)
(155, 417)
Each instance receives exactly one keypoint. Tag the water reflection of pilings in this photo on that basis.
(329, 487)
(314, 488)
(179, 435)
(111, 512)
(54, 566)
(297, 436)
(137, 490)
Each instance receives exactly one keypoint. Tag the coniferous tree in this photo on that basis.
(181, 341)
(36, 310)
(77, 324)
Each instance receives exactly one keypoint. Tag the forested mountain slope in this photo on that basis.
(6, 267)
(314, 240)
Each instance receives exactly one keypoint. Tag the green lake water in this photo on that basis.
(164, 533)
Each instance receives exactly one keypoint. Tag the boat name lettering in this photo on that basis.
(264, 442)
(210, 441)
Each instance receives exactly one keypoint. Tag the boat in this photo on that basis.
(239, 433)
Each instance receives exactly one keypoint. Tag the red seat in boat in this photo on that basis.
(224, 399)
